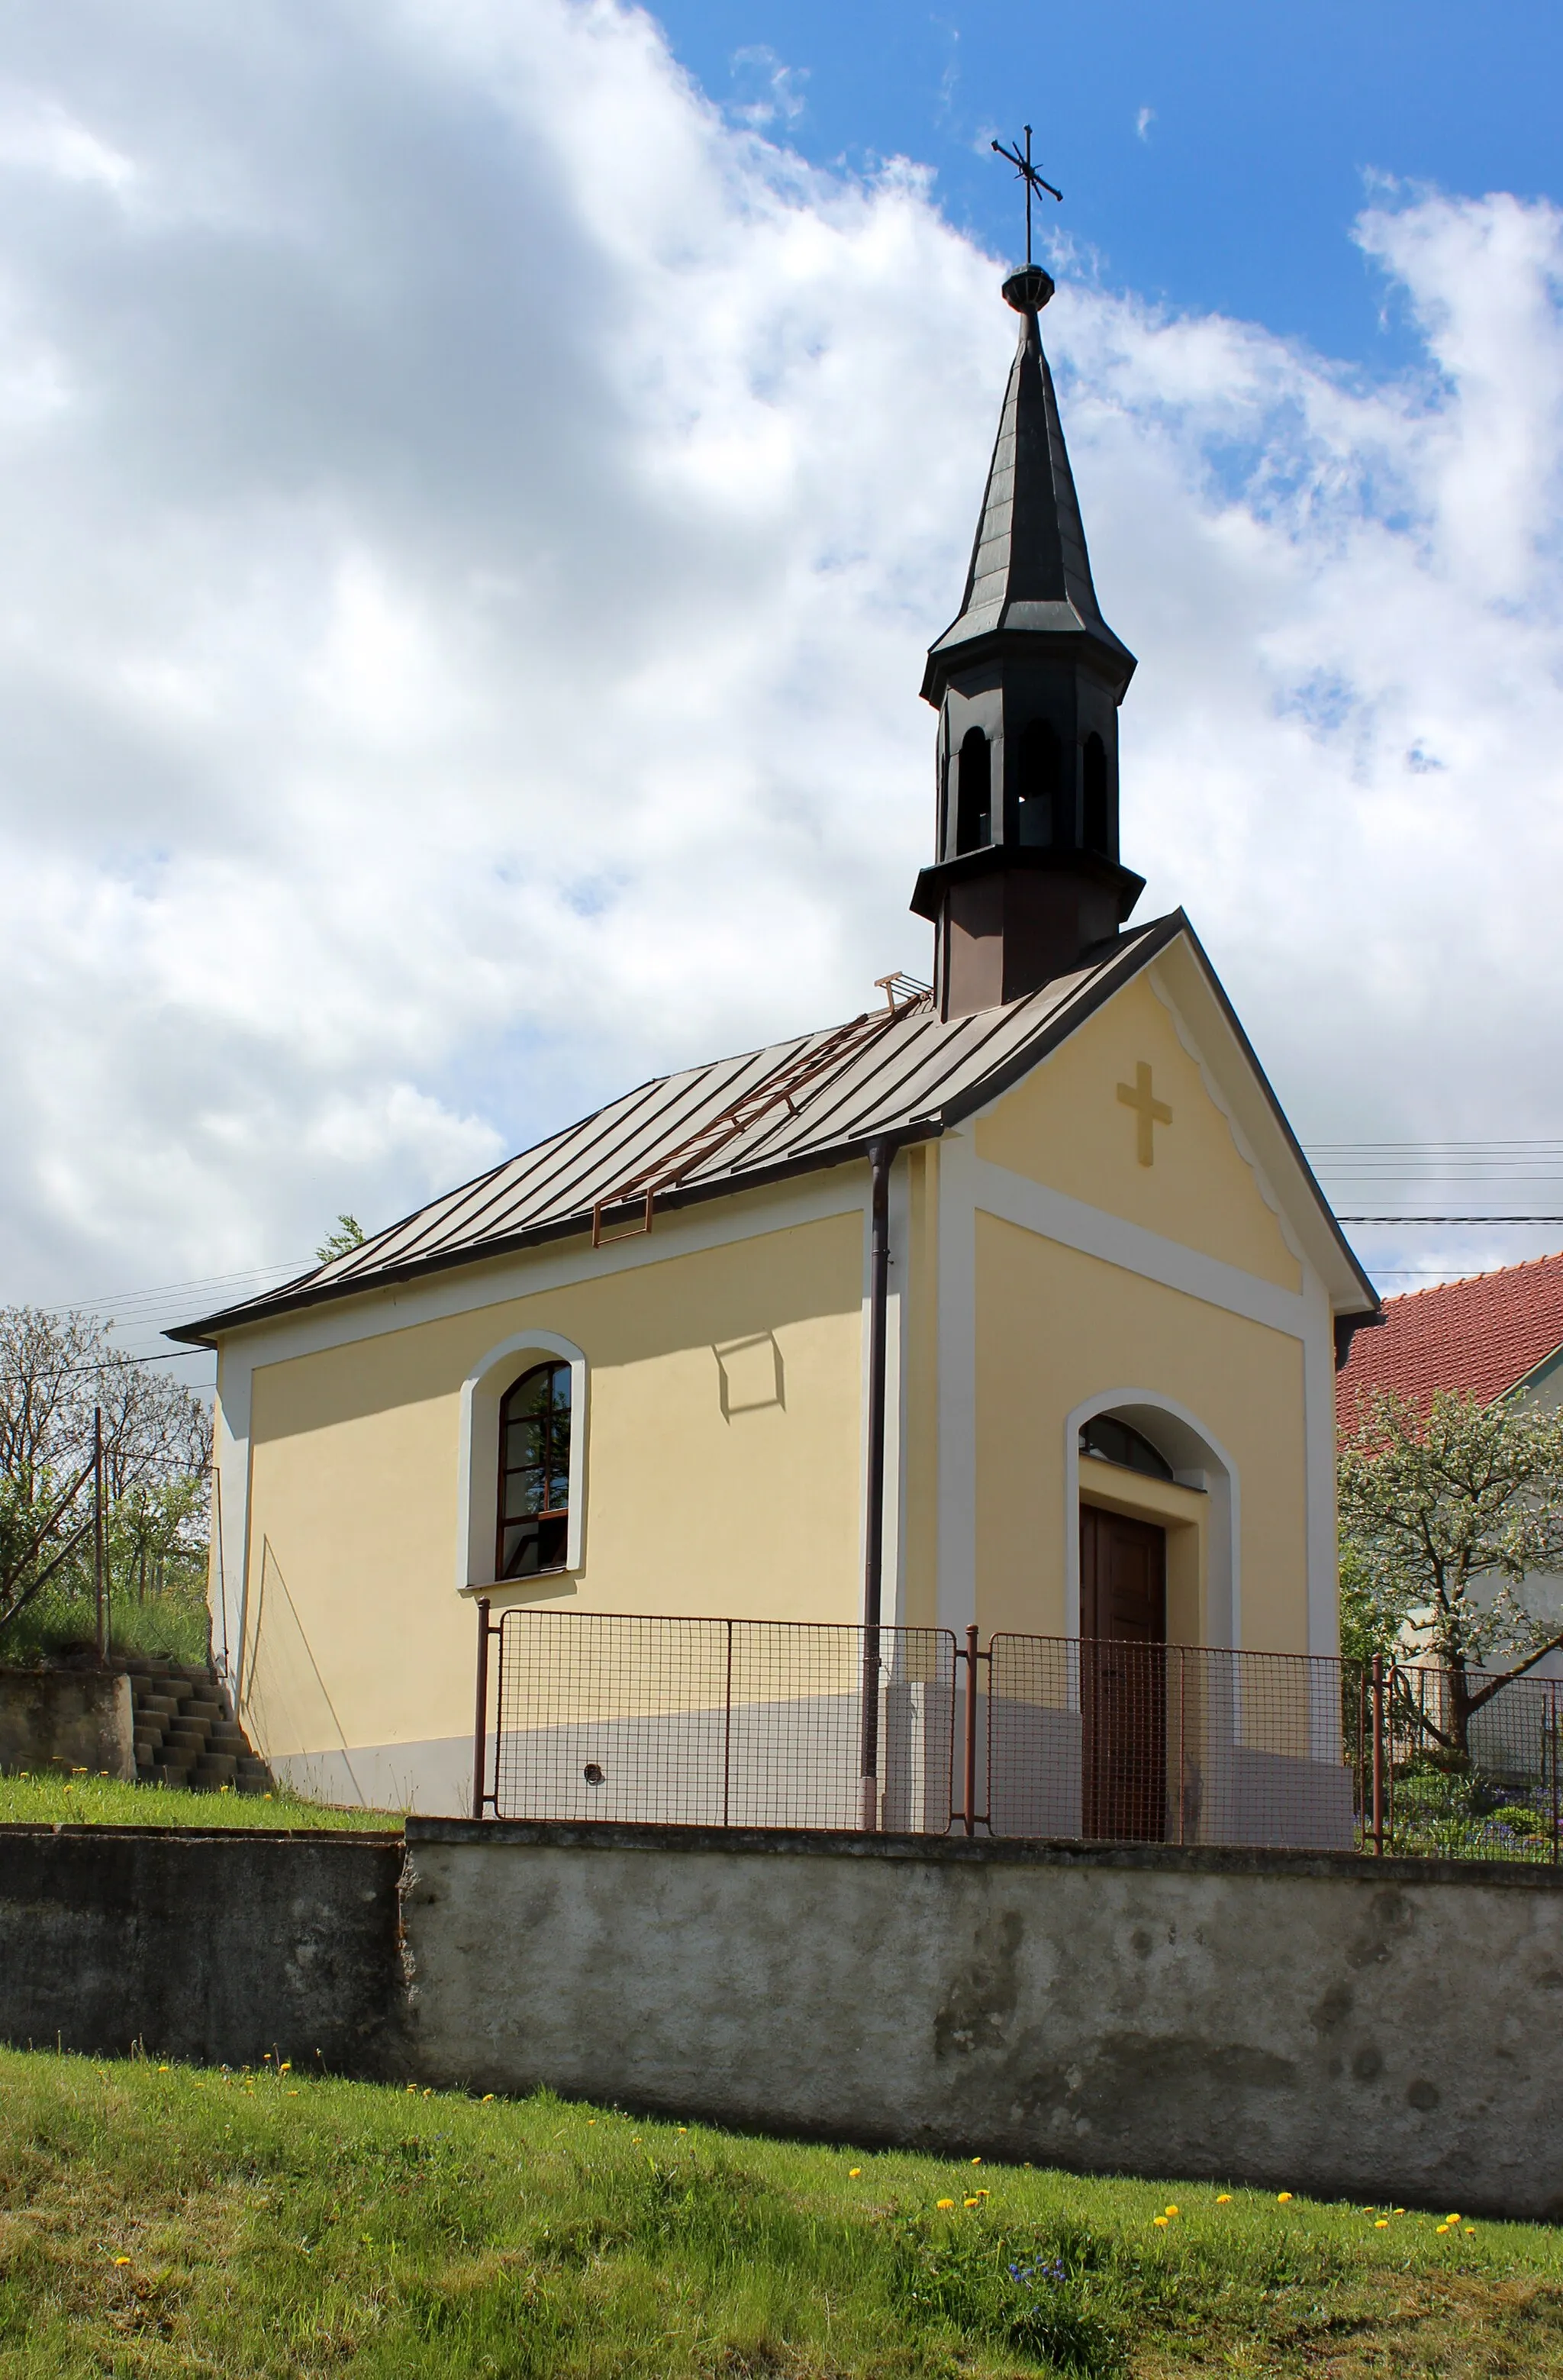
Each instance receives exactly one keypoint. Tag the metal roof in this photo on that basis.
(907, 1075)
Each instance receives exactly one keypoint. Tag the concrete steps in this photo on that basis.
(185, 1732)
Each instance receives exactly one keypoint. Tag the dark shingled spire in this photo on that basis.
(1026, 878)
(1029, 569)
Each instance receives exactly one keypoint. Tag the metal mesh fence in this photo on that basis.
(1468, 1763)
(722, 1722)
(1105, 1740)
(778, 1723)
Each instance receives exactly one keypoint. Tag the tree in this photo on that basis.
(349, 1234)
(56, 1370)
(1443, 1512)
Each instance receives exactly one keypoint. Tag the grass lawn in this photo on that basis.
(160, 2221)
(56, 1800)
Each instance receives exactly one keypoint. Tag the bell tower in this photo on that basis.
(1026, 681)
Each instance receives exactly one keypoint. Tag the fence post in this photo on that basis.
(1378, 1753)
(481, 1720)
(1552, 1698)
(968, 1782)
(727, 1729)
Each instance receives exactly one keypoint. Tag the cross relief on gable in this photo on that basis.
(1148, 1111)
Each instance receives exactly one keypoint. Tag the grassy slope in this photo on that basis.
(157, 2222)
(82, 1800)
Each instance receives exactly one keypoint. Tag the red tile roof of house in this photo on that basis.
(1481, 1335)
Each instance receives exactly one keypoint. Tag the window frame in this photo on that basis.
(489, 1379)
(550, 1367)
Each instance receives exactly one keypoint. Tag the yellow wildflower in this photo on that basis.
(1283, 2198)
(1382, 2224)
(944, 2204)
(974, 2202)
(1224, 2198)
(976, 2160)
(1160, 2222)
(854, 2172)
(1171, 2210)
(118, 2260)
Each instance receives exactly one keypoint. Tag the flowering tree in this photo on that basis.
(1443, 1512)
(55, 1372)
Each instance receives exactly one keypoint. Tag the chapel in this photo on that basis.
(1011, 1305)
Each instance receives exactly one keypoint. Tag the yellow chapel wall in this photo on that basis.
(1056, 1326)
(1066, 1127)
(722, 1476)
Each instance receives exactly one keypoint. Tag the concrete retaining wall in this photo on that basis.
(66, 1718)
(208, 1946)
(1305, 2022)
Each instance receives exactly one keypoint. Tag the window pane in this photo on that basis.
(522, 1495)
(524, 1444)
(520, 1552)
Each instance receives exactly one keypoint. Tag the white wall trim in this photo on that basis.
(958, 1167)
(477, 1451)
(1318, 1416)
(1015, 1199)
(1198, 1460)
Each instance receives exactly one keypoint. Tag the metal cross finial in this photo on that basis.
(1028, 173)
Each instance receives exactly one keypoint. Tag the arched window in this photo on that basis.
(1095, 775)
(974, 793)
(1038, 784)
(534, 1473)
(1111, 1440)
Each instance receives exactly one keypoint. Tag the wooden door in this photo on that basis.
(1123, 1677)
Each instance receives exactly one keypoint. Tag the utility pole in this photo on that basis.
(100, 1564)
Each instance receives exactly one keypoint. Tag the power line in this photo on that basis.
(1416, 1221)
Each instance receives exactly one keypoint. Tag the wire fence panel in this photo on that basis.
(722, 1722)
(799, 1724)
(1110, 1740)
(1470, 1763)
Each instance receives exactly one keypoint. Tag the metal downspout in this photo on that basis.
(882, 1157)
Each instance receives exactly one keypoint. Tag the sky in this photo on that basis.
(480, 477)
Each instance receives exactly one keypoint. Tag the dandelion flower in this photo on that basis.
(162, 2069)
(976, 2160)
(1171, 2210)
(1451, 2218)
(1382, 2224)
(944, 2204)
(854, 2172)
(1283, 2198)
(122, 2260)
(1160, 2222)
(974, 2202)
(1224, 2198)
(1471, 2230)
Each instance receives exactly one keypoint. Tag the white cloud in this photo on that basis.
(462, 610)
(1143, 119)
